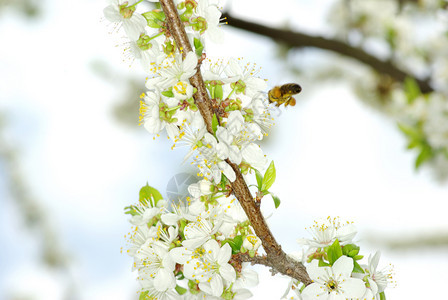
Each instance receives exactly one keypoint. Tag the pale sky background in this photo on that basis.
(334, 156)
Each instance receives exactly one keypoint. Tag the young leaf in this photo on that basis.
(269, 177)
(154, 18)
(180, 290)
(350, 250)
(425, 155)
(198, 46)
(276, 200)
(411, 89)
(235, 243)
(259, 179)
(214, 123)
(323, 264)
(147, 193)
(334, 252)
(357, 268)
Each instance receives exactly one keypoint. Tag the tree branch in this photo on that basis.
(297, 39)
(238, 259)
(279, 260)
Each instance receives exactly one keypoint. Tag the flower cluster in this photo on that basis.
(412, 37)
(184, 249)
(198, 248)
(333, 266)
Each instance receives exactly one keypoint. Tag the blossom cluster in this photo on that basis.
(412, 36)
(198, 247)
(183, 250)
(332, 261)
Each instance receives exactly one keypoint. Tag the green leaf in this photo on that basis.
(143, 295)
(234, 243)
(180, 290)
(334, 252)
(215, 123)
(168, 94)
(269, 177)
(323, 264)
(357, 268)
(148, 193)
(259, 179)
(411, 89)
(382, 296)
(425, 155)
(154, 18)
(411, 132)
(276, 200)
(350, 250)
(198, 46)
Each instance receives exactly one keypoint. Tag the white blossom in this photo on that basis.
(199, 232)
(333, 283)
(326, 231)
(154, 262)
(212, 271)
(173, 70)
(123, 12)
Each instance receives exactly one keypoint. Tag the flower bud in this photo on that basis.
(251, 242)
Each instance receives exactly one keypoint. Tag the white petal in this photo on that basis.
(223, 135)
(134, 26)
(373, 261)
(224, 254)
(112, 14)
(189, 65)
(222, 151)
(234, 122)
(227, 170)
(343, 266)
(216, 285)
(227, 272)
(346, 233)
(317, 274)
(164, 280)
(235, 155)
(373, 286)
(353, 287)
(253, 155)
(172, 130)
(180, 255)
(195, 243)
(212, 248)
(314, 291)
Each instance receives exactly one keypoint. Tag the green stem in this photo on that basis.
(157, 35)
(231, 92)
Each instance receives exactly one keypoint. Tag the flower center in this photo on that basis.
(332, 285)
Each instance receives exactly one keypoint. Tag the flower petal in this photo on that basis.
(343, 266)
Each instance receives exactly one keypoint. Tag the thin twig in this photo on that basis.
(278, 259)
(298, 39)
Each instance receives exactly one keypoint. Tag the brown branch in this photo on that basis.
(264, 260)
(177, 30)
(298, 39)
(278, 259)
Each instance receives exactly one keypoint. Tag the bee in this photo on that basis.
(283, 94)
